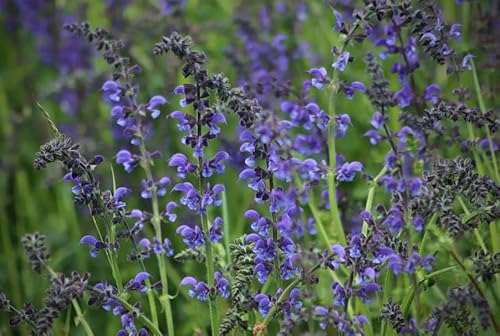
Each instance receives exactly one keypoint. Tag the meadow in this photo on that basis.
(230, 167)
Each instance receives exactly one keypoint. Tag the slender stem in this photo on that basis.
(482, 106)
(209, 260)
(226, 221)
(316, 215)
(427, 229)
(332, 192)
(156, 222)
(332, 154)
(141, 317)
(371, 195)
(115, 271)
(407, 302)
(385, 291)
(476, 231)
(273, 225)
(81, 319)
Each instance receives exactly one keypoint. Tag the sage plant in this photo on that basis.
(398, 238)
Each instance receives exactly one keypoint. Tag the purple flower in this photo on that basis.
(390, 183)
(263, 303)
(467, 62)
(395, 263)
(256, 181)
(418, 223)
(432, 93)
(265, 249)
(395, 220)
(167, 244)
(260, 224)
(342, 61)
(168, 211)
(211, 196)
(137, 283)
(339, 257)
(377, 120)
(191, 198)
(191, 237)
(215, 164)
(212, 120)
(92, 241)
(322, 313)
(199, 289)
(404, 96)
(153, 104)
(185, 121)
(320, 77)
(262, 271)
(374, 136)
(118, 194)
(111, 91)
(342, 122)
(339, 25)
(456, 30)
(215, 233)
(288, 269)
(416, 186)
(221, 285)
(354, 86)
(183, 165)
(428, 39)
(286, 245)
(127, 160)
(485, 145)
(391, 160)
(348, 170)
(340, 294)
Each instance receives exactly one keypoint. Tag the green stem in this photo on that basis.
(371, 195)
(209, 260)
(316, 215)
(110, 257)
(81, 319)
(332, 154)
(482, 106)
(226, 221)
(476, 231)
(409, 298)
(141, 317)
(156, 221)
(427, 230)
(385, 289)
